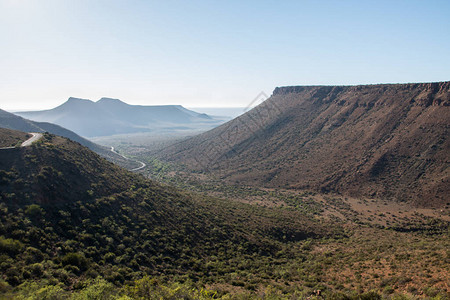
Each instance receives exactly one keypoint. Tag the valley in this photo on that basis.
(205, 218)
(400, 228)
(224, 150)
(379, 141)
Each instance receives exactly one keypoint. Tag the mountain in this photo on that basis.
(66, 215)
(111, 116)
(11, 121)
(74, 226)
(385, 141)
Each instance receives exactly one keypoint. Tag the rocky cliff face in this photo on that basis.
(434, 93)
(383, 141)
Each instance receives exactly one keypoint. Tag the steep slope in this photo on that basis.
(11, 121)
(66, 213)
(112, 116)
(383, 141)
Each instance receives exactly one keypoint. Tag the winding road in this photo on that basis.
(35, 137)
(143, 165)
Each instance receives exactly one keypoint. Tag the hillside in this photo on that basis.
(386, 141)
(12, 138)
(66, 214)
(12, 121)
(111, 116)
(74, 226)
(15, 122)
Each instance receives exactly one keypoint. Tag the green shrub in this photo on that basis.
(4, 286)
(34, 210)
(97, 289)
(37, 269)
(33, 255)
(75, 259)
(10, 246)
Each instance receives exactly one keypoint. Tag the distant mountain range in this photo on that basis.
(12, 121)
(382, 141)
(111, 116)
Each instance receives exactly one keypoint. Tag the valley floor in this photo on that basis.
(260, 243)
(390, 247)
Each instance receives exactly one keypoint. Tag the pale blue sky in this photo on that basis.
(212, 53)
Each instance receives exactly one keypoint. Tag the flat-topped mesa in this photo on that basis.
(109, 116)
(386, 141)
(77, 100)
(420, 94)
(108, 101)
(434, 94)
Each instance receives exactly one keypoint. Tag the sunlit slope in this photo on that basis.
(383, 141)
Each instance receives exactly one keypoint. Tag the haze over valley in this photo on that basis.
(111, 116)
(249, 150)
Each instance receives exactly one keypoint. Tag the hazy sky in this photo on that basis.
(212, 53)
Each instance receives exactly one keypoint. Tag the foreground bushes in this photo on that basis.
(151, 288)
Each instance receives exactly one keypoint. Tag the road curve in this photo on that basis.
(143, 165)
(36, 136)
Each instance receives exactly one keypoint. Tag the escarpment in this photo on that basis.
(386, 141)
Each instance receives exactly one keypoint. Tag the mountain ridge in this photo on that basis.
(382, 141)
(109, 116)
(12, 121)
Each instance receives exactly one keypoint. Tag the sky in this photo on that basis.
(212, 53)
